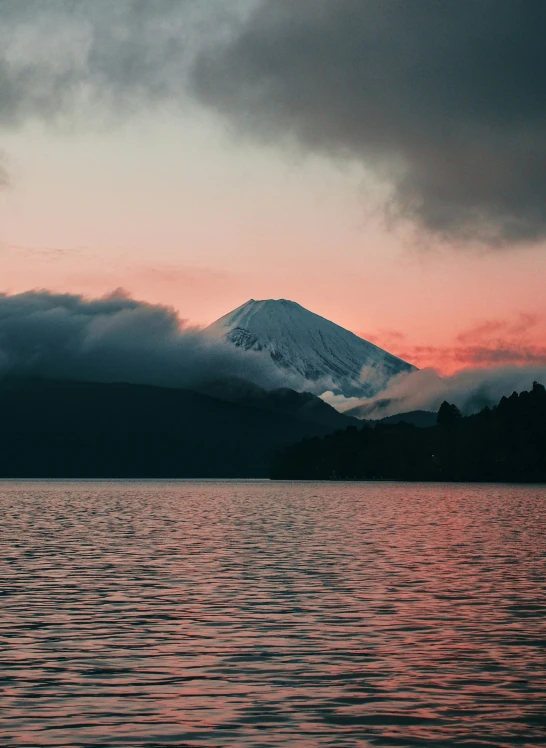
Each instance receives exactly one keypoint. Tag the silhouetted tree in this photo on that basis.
(448, 415)
(504, 443)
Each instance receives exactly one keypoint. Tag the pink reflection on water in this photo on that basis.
(272, 614)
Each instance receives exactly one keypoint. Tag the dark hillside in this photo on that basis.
(301, 405)
(84, 429)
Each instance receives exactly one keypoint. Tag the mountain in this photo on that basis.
(301, 405)
(309, 346)
(420, 418)
(54, 429)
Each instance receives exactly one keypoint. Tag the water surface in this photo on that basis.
(272, 614)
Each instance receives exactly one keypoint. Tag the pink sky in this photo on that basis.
(121, 167)
(177, 212)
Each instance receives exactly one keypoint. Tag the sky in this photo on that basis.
(382, 164)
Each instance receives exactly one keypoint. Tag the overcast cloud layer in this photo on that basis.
(444, 99)
(117, 339)
(96, 58)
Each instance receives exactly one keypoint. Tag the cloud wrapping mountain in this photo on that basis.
(300, 342)
(117, 339)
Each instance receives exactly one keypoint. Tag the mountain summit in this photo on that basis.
(303, 343)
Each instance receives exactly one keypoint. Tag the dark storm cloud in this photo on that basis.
(99, 57)
(117, 339)
(87, 63)
(446, 99)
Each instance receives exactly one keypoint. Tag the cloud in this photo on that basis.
(443, 100)
(470, 389)
(118, 339)
(486, 330)
(384, 338)
(501, 352)
(491, 359)
(44, 254)
(89, 63)
(97, 58)
(494, 342)
(340, 402)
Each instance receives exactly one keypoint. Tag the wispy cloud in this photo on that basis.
(495, 354)
(495, 342)
(489, 329)
(470, 389)
(384, 338)
(492, 342)
(46, 254)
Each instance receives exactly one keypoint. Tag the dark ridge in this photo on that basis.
(506, 443)
(420, 418)
(54, 429)
(302, 405)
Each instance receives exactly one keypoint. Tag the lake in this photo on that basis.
(189, 613)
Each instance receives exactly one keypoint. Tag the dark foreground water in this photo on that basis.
(258, 614)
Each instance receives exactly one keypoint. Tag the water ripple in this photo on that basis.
(269, 614)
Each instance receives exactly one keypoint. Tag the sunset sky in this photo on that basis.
(169, 148)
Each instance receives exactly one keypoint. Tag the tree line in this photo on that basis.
(503, 443)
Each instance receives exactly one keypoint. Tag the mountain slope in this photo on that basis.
(301, 405)
(423, 419)
(305, 344)
(56, 429)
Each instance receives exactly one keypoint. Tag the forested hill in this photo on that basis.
(505, 443)
(58, 429)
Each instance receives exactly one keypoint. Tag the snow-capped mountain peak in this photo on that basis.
(326, 355)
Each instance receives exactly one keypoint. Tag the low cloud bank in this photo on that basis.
(469, 389)
(118, 339)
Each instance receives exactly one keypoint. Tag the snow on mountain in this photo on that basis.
(326, 355)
